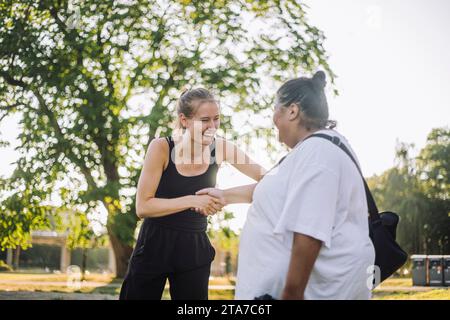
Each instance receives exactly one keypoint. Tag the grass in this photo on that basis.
(100, 283)
(402, 289)
(391, 289)
(50, 277)
(397, 282)
(222, 281)
(104, 284)
(62, 289)
(212, 294)
(434, 294)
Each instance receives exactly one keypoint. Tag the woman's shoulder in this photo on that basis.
(159, 144)
(319, 144)
(319, 152)
(159, 150)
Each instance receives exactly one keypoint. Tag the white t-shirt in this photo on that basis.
(316, 191)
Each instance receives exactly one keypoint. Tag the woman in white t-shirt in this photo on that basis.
(306, 235)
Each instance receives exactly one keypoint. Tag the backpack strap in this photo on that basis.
(373, 210)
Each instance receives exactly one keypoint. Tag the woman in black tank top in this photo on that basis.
(172, 242)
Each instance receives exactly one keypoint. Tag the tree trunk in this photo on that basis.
(120, 226)
(83, 264)
(122, 254)
(16, 258)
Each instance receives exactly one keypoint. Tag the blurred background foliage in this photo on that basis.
(95, 81)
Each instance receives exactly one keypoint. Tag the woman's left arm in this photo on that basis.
(304, 253)
(240, 160)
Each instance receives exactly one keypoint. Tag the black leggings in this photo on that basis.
(182, 257)
(187, 285)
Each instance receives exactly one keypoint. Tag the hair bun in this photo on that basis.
(319, 79)
(184, 90)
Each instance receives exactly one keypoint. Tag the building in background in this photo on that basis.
(49, 253)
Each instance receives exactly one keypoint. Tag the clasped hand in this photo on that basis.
(209, 201)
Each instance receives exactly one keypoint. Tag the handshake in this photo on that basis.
(208, 201)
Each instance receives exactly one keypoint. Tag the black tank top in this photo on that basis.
(174, 185)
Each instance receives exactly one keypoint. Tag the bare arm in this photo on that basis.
(232, 154)
(241, 194)
(229, 152)
(146, 203)
(305, 250)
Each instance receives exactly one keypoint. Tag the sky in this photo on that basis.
(392, 62)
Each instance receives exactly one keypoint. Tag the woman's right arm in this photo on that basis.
(147, 205)
(241, 194)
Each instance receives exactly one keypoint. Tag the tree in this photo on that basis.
(418, 190)
(225, 239)
(433, 167)
(73, 70)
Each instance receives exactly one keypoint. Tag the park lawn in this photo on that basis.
(105, 284)
(397, 282)
(94, 277)
(222, 281)
(435, 294)
(51, 277)
(402, 289)
(212, 294)
(54, 288)
(42, 282)
(391, 289)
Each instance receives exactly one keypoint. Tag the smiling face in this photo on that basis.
(203, 124)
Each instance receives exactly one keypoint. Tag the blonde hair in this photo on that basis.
(189, 102)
